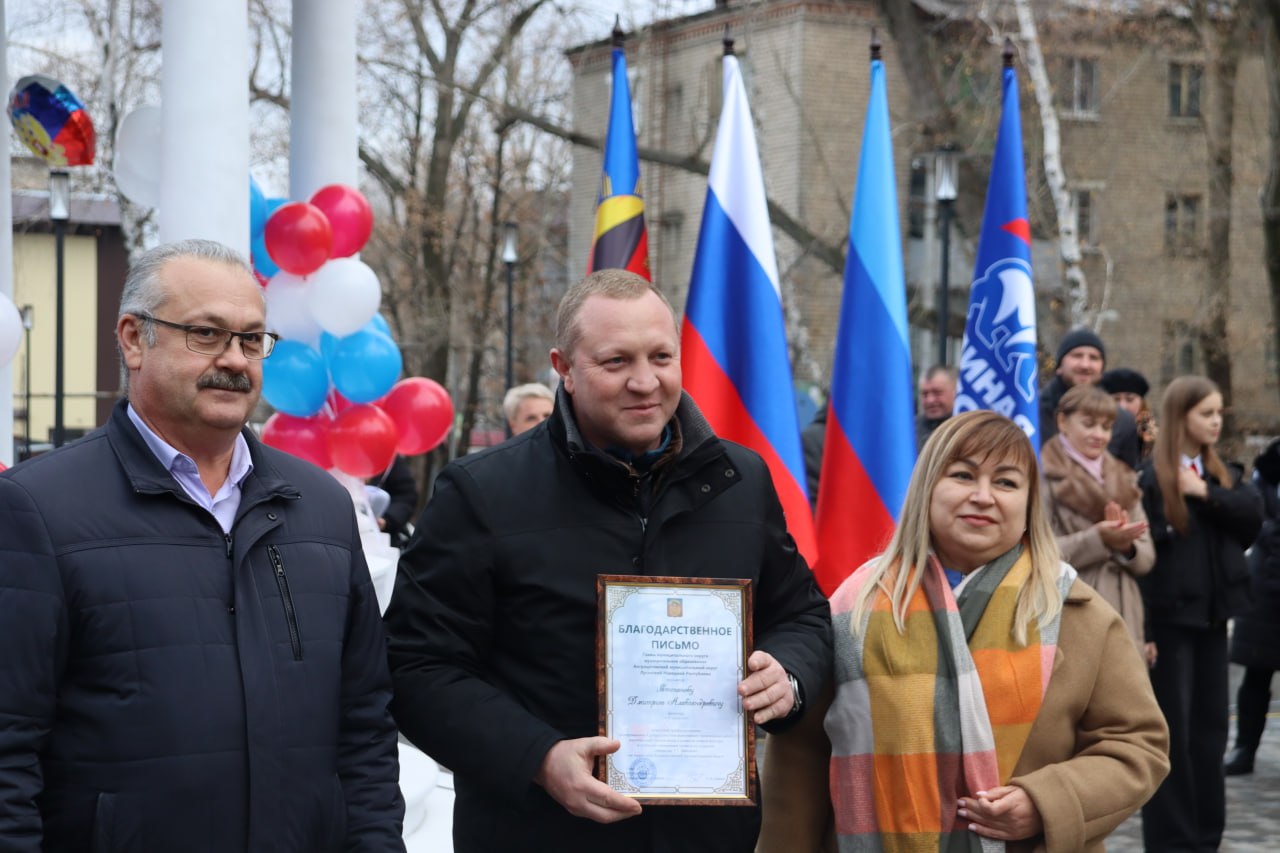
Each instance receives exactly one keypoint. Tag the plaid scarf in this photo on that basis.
(935, 713)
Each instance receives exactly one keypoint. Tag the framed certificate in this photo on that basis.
(670, 653)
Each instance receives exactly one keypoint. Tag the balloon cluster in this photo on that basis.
(333, 376)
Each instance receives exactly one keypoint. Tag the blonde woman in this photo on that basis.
(984, 697)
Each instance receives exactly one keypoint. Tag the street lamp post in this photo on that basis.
(946, 180)
(28, 320)
(510, 254)
(59, 212)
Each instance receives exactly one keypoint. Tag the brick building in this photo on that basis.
(1128, 93)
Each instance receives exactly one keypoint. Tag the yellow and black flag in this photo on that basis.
(621, 241)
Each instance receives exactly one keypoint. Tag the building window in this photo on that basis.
(1080, 86)
(1271, 359)
(1182, 224)
(1184, 89)
(1085, 222)
(916, 201)
(1181, 352)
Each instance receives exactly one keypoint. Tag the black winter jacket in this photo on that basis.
(1255, 638)
(1200, 579)
(166, 687)
(492, 623)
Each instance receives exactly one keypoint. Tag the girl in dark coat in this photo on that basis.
(1202, 520)
(1255, 640)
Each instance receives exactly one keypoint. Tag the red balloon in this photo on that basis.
(349, 214)
(306, 438)
(362, 441)
(298, 238)
(421, 410)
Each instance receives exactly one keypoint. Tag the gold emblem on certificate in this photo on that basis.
(670, 653)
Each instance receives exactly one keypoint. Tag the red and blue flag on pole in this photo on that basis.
(621, 240)
(870, 445)
(733, 342)
(998, 359)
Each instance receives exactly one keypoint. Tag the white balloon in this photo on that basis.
(137, 163)
(10, 330)
(344, 296)
(288, 311)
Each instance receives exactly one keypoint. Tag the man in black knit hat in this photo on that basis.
(1081, 359)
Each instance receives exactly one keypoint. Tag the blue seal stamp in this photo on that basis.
(642, 772)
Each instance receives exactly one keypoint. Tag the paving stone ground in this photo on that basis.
(1253, 802)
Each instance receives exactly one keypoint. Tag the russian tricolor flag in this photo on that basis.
(733, 343)
(870, 445)
(998, 368)
(621, 239)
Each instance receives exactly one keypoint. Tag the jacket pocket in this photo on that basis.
(286, 599)
(104, 815)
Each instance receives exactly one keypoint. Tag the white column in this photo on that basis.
(6, 261)
(204, 138)
(322, 132)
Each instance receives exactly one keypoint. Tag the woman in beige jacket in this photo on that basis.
(984, 698)
(1095, 506)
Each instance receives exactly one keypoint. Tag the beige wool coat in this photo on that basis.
(1096, 752)
(1074, 502)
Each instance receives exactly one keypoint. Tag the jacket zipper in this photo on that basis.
(290, 614)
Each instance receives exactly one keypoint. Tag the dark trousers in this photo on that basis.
(1188, 812)
(1252, 700)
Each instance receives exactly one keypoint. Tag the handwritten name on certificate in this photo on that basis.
(673, 651)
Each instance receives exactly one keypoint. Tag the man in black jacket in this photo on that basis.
(192, 652)
(492, 622)
(1080, 359)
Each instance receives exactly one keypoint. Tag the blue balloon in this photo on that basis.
(328, 346)
(365, 365)
(294, 380)
(329, 343)
(257, 209)
(272, 204)
(261, 259)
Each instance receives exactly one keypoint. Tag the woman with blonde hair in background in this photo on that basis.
(1202, 517)
(1095, 506)
(984, 697)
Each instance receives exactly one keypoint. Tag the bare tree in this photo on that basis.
(1222, 28)
(1077, 286)
(1268, 12)
(113, 69)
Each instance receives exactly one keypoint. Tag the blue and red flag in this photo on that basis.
(870, 444)
(998, 359)
(621, 240)
(734, 343)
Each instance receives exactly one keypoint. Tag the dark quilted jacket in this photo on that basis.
(165, 687)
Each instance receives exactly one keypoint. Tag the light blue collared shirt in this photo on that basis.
(226, 502)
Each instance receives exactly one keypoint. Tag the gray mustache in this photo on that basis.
(225, 382)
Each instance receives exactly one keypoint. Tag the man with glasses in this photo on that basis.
(191, 654)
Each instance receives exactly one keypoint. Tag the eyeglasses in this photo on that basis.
(210, 340)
